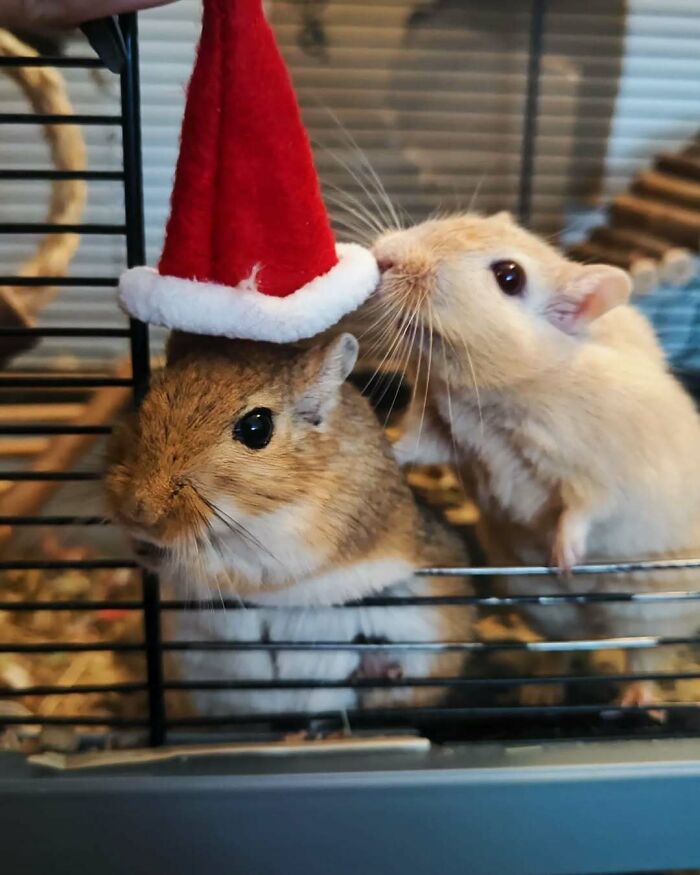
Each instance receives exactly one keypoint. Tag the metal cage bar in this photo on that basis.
(140, 354)
(538, 10)
(129, 175)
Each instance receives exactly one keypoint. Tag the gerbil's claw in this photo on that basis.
(377, 666)
(642, 694)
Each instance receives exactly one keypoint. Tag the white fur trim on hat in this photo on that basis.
(243, 311)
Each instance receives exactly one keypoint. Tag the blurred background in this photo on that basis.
(430, 95)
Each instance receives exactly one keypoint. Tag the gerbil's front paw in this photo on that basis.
(564, 556)
(640, 694)
(376, 665)
(569, 546)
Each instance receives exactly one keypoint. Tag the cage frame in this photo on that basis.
(560, 808)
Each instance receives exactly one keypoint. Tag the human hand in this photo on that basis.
(40, 14)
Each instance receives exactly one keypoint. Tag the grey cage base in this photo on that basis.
(552, 809)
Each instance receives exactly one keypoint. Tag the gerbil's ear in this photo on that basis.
(504, 216)
(587, 292)
(322, 371)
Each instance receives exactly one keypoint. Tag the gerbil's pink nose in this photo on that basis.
(385, 263)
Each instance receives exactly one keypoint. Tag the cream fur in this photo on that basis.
(245, 312)
(578, 448)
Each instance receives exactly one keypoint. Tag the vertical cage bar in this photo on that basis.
(136, 255)
(532, 96)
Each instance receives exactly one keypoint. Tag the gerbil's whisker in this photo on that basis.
(400, 381)
(355, 207)
(406, 360)
(388, 323)
(225, 572)
(477, 189)
(395, 345)
(475, 383)
(358, 179)
(235, 525)
(215, 542)
(353, 227)
(417, 375)
(450, 414)
(374, 176)
(356, 233)
(238, 528)
(427, 375)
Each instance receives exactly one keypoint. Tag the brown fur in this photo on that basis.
(180, 446)
(332, 482)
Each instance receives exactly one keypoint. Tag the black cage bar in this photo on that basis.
(132, 230)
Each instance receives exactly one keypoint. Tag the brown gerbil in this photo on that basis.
(255, 471)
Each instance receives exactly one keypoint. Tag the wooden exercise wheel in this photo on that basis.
(45, 91)
(653, 230)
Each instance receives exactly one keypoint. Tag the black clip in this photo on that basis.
(105, 36)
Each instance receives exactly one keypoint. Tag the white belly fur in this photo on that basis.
(309, 624)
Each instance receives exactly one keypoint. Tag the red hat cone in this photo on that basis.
(249, 251)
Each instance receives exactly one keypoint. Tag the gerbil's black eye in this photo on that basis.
(255, 428)
(509, 276)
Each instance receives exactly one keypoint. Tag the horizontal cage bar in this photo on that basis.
(31, 173)
(311, 684)
(49, 475)
(68, 331)
(54, 521)
(77, 690)
(63, 382)
(52, 118)
(49, 61)
(65, 564)
(371, 683)
(426, 601)
(79, 720)
(370, 718)
(61, 228)
(626, 567)
(72, 605)
(416, 716)
(89, 647)
(641, 642)
(53, 429)
(230, 605)
(77, 281)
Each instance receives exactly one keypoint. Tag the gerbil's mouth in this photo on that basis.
(148, 554)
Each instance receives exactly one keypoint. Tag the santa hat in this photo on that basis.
(249, 251)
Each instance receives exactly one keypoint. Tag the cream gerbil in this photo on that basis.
(254, 471)
(581, 445)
